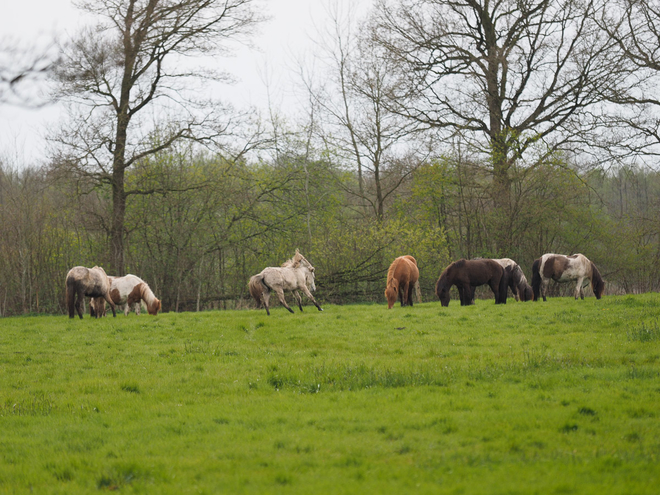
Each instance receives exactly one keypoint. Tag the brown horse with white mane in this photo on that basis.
(129, 292)
(402, 276)
(561, 268)
(86, 282)
(467, 274)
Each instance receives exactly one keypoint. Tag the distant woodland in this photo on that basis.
(437, 128)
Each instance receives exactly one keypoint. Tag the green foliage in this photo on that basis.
(560, 396)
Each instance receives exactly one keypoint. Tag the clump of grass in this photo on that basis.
(355, 377)
(131, 387)
(37, 405)
(645, 332)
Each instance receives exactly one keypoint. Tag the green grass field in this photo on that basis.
(556, 397)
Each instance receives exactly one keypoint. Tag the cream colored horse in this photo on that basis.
(294, 274)
(86, 282)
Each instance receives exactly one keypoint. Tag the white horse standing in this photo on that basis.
(294, 274)
(129, 291)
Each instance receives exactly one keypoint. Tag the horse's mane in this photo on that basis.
(390, 274)
(146, 293)
(295, 261)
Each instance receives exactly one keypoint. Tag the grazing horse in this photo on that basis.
(128, 291)
(562, 268)
(467, 274)
(516, 280)
(402, 276)
(294, 274)
(86, 282)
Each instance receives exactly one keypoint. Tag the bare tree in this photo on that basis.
(634, 25)
(132, 69)
(355, 120)
(517, 79)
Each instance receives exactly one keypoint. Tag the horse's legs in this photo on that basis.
(544, 287)
(79, 302)
(409, 291)
(266, 298)
(578, 288)
(496, 292)
(280, 294)
(298, 298)
(311, 297)
(403, 294)
(464, 294)
(109, 300)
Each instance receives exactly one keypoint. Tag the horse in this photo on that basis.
(402, 277)
(129, 291)
(561, 268)
(467, 274)
(516, 280)
(294, 274)
(86, 282)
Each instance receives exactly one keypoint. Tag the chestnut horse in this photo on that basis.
(467, 274)
(129, 291)
(86, 282)
(561, 268)
(294, 274)
(402, 277)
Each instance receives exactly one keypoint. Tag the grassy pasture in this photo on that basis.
(555, 397)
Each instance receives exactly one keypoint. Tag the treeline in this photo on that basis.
(208, 224)
(440, 129)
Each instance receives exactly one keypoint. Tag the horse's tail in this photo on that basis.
(257, 286)
(597, 282)
(70, 296)
(536, 279)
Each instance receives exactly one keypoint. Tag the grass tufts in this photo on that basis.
(131, 387)
(645, 332)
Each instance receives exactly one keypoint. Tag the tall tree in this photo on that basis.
(634, 26)
(519, 79)
(131, 69)
(355, 121)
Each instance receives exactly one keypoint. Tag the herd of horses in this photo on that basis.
(298, 274)
(128, 292)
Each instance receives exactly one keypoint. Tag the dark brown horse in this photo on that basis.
(561, 268)
(86, 282)
(401, 279)
(515, 280)
(467, 274)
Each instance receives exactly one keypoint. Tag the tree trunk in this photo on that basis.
(118, 217)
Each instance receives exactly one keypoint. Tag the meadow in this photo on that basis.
(555, 397)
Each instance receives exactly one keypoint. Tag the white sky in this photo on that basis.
(282, 39)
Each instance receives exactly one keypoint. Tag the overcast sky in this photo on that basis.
(282, 39)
